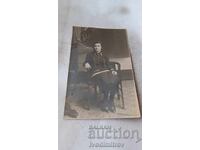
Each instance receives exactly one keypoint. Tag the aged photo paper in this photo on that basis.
(101, 82)
(81, 24)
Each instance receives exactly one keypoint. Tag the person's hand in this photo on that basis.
(87, 66)
(114, 72)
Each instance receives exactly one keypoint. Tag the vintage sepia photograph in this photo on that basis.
(101, 76)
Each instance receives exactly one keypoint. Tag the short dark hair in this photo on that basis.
(97, 42)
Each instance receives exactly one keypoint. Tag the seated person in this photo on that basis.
(102, 75)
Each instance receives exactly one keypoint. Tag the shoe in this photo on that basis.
(112, 109)
(86, 106)
(106, 109)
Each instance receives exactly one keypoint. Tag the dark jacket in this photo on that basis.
(98, 62)
(106, 81)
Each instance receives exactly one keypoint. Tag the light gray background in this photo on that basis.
(73, 134)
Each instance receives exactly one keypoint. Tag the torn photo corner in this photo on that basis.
(101, 81)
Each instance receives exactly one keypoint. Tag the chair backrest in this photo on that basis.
(115, 65)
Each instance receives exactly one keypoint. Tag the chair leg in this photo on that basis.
(95, 92)
(122, 95)
(118, 93)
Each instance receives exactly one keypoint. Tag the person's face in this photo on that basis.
(97, 47)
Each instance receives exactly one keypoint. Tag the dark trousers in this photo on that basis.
(108, 85)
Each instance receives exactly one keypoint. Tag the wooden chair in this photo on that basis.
(117, 67)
